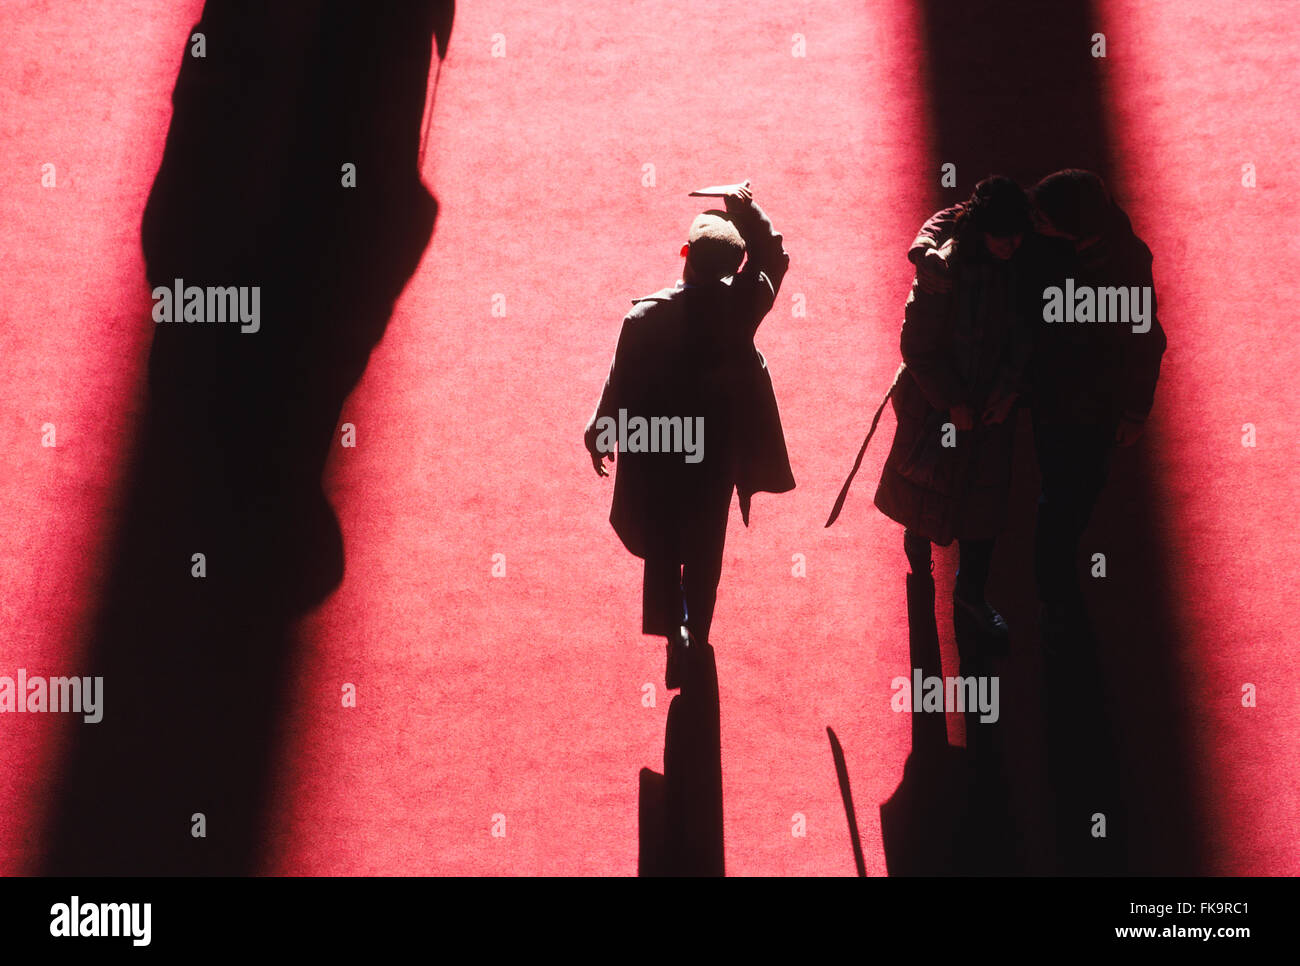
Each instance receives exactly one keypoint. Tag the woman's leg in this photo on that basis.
(917, 549)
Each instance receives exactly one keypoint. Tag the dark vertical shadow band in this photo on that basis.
(250, 193)
(1014, 90)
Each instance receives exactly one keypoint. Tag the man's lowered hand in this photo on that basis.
(589, 438)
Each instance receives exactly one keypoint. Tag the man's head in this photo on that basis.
(1073, 204)
(999, 210)
(713, 248)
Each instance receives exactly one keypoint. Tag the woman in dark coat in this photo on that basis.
(948, 473)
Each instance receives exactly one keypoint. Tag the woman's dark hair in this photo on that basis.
(1076, 202)
(999, 207)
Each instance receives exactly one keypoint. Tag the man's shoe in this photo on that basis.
(678, 652)
(982, 616)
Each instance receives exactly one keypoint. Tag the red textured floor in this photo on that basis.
(521, 695)
(1198, 91)
(90, 94)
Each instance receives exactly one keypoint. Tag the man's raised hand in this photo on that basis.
(740, 195)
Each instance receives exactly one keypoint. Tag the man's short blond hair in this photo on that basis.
(716, 248)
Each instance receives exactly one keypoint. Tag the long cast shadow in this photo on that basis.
(680, 812)
(922, 822)
(949, 814)
(195, 652)
(1015, 90)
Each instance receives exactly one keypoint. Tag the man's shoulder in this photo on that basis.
(654, 305)
(663, 295)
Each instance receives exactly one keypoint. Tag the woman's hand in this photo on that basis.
(932, 273)
(1129, 432)
(998, 408)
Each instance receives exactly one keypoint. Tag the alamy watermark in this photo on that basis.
(211, 303)
(657, 434)
(933, 693)
(1129, 305)
(74, 918)
(78, 695)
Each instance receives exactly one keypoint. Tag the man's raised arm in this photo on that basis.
(766, 258)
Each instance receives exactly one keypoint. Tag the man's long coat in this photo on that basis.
(689, 352)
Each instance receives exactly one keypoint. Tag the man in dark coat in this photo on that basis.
(965, 349)
(1094, 378)
(690, 402)
(1091, 379)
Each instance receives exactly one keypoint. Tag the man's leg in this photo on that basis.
(974, 563)
(702, 568)
(661, 596)
(1074, 461)
(968, 603)
(662, 611)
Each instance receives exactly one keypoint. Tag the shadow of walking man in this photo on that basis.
(681, 810)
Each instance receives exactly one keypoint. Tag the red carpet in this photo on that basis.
(1198, 92)
(481, 696)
